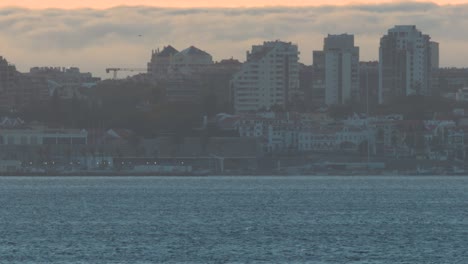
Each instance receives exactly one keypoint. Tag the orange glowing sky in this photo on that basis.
(99, 4)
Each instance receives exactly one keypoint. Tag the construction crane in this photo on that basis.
(115, 70)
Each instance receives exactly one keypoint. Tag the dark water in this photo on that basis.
(234, 219)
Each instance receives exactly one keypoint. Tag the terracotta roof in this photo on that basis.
(167, 51)
(194, 51)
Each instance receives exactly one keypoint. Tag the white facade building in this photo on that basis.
(404, 63)
(317, 140)
(43, 137)
(341, 69)
(348, 139)
(269, 77)
(277, 133)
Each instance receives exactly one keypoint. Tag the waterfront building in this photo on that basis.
(43, 137)
(318, 140)
(8, 122)
(349, 139)
(405, 65)
(278, 131)
(269, 78)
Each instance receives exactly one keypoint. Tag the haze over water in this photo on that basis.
(234, 219)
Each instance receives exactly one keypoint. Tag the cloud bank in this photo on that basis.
(103, 4)
(96, 39)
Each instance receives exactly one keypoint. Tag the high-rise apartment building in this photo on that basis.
(369, 82)
(404, 63)
(18, 90)
(341, 62)
(434, 54)
(8, 75)
(318, 82)
(435, 76)
(269, 77)
(9, 82)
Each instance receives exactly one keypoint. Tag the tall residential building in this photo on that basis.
(434, 54)
(318, 82)
(19, 90)
(404, 63)
(435, 67)
(341, 61)
(9, 83)
(269, 77)
(369, 82)
(306, 81)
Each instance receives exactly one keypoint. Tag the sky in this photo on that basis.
(194, 3)
(47, 33)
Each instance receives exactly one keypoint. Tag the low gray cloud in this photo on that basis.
(95, 39)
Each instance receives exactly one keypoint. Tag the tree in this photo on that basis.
(277, 108)
(340, 111)
(210, 104)
(363, 148)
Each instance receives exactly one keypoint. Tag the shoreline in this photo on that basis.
(325, 174)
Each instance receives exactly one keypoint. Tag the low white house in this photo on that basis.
(318, 140)
(10, 166)
(462, 95)
(334, 139)
(43, 137)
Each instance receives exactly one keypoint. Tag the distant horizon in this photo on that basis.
(94, 39)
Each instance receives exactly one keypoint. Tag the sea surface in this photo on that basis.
(234, 219)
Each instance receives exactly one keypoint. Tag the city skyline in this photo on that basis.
(96, 39)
